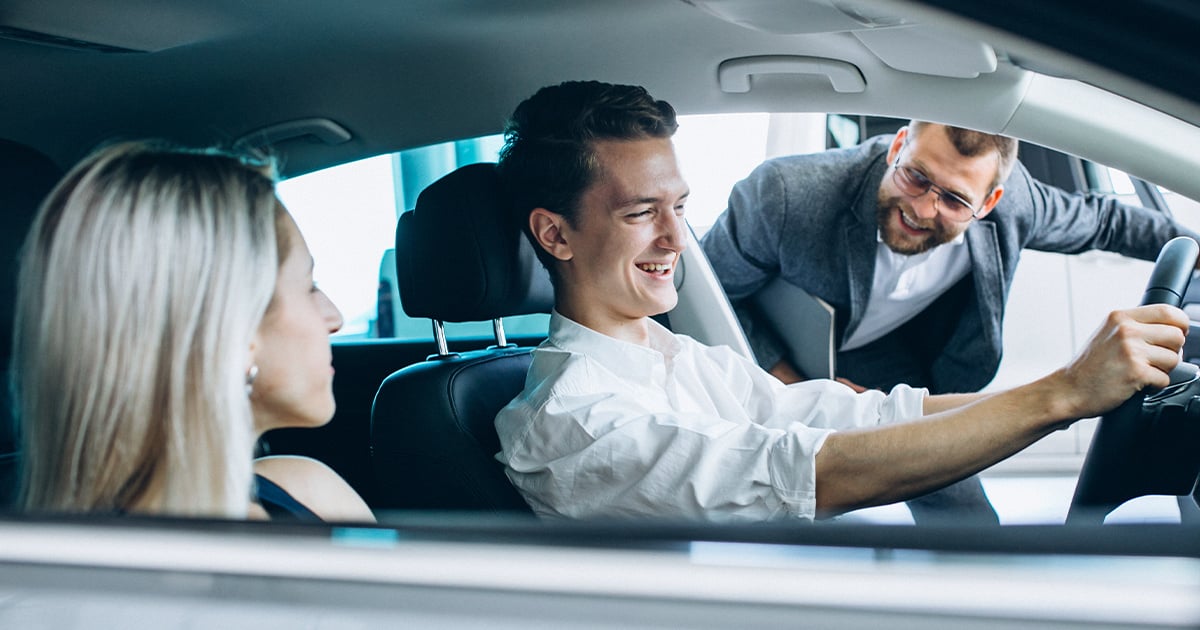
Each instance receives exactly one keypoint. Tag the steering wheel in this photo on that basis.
(1151, 443)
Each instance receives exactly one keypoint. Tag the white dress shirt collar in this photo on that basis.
(619, 356)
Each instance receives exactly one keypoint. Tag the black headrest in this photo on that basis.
(461, 257)
(26, 177)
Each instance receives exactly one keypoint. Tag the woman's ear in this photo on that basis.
(252, 355)
(548, 229)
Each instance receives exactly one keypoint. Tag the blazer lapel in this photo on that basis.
(859, 241)
(986, 268)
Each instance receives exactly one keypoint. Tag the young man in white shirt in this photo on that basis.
(620, 417)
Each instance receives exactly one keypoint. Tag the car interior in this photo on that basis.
(726, 57)
(432, 422)
(1093, 93)
(26, 176)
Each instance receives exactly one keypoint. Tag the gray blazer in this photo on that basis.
(811, 220)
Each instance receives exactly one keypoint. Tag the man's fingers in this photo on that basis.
(1163, 336)
(1160, 314)
(1162, 360)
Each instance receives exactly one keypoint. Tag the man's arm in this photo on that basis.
(1134, 349)
(743, 244)
(743, 248)
(946, 402)
(1072, 223)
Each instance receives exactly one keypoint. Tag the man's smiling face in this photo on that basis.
(911, 225)
(619, 262)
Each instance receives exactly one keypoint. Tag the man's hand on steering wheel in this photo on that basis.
(1134, 349)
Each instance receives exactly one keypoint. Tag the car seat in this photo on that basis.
(459, 258)
(26, 177)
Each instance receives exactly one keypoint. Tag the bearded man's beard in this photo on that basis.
(904, 243)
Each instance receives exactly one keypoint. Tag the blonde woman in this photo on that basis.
(166, 318)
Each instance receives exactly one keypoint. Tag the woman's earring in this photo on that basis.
(251, 374)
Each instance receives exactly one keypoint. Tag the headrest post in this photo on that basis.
(439, 336)
(498, 329)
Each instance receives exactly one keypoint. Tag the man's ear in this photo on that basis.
(897, 143)
(548, 229)
(990, 202)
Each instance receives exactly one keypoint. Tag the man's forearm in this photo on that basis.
(946, 402)
(1133, 349)
(964, 434)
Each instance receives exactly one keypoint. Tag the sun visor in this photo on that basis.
(927, 50)
(789, 17)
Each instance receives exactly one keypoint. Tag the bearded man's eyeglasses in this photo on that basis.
(914, 183)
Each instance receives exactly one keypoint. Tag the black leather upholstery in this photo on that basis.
(432, 434)
(26, 176)
(459, 257)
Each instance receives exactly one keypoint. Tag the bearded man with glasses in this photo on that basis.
(914, 240)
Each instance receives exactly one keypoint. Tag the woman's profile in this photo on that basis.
(166, 318)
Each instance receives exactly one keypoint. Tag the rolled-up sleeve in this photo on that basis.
(808, 412)
(619, 454)
(636, 463)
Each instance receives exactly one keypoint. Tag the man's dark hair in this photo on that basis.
(549, 159)
(971, 143)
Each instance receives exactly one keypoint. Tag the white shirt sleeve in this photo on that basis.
(817, 403)
(647, 463)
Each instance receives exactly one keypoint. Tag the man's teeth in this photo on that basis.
(654, 267)
(909, 223)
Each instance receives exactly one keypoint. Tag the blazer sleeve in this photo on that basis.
(743, 248)
(1073, 223)
(743, 245)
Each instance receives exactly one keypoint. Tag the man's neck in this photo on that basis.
(632, 330)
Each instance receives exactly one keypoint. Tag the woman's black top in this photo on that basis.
(280, 505)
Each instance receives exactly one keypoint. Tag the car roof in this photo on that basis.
(331, 82)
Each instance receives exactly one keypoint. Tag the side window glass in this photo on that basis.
(348, 213)
(715, 152)
(1108, 180)
(1185, 210)
(844, 131)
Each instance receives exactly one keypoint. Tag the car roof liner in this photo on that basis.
(123, 26)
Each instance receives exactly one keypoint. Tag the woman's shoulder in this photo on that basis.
(316, 486)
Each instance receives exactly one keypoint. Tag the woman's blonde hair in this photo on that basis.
(142, 283)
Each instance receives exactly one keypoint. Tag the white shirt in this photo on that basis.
(607, 428)
(905, 285)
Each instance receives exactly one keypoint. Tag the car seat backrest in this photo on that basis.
(459, 257)
(26, 177)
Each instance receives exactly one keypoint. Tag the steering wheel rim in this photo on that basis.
(1126, 457)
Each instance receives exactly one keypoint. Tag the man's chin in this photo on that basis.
(908, 246)
(662, 305)
(895, 236)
